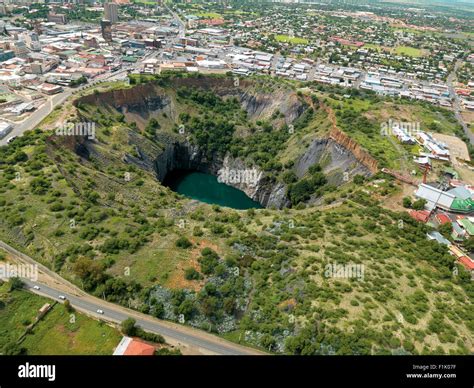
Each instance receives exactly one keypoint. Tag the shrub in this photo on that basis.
(191, 274)
(183, 242)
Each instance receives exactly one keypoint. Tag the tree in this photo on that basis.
(407, 202)
(191, 274)
(183, 242)
(39, 186)
(469, 244)
(186, 308)
(68, 306)
(359, 179)
(446, 229)
(419, 204)
(208, 261)
(16, 284)
(128, 327)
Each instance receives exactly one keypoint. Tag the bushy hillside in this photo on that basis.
(95, 211)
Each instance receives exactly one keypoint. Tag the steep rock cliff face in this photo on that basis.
(338, 163)
(262, 106)
(174, 153)
(340, 156)
(144, 96)
(352, 146)
(268, 193)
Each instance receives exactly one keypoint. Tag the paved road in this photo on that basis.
(457, 102)
(37, 116)
(181, 24)
(44, 110)
(116, 315)
(197, 341)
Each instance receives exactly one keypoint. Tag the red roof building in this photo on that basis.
(442, 218)
(420, 215)
(133, 347)
(466, 263)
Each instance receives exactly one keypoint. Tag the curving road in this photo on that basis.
(192, 341)
(178, 335)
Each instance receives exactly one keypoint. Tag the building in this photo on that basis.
(43, 310)
(442, 218)
(454, 200)
(5, 129)
(437, 236)
(467, 263)
(458, 233)
(106, 29)
(20, 49)
(467, 225)
(58, 18)
(133, 347)
(50, 89)
(111, 12)
(6, 55)
(420, 215)
(22, 108)
(31, 40)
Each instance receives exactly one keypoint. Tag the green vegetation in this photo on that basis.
(129, 328)
(59, 332)
(290, 39)
(408, 51)
(102, 220)
(303, 189)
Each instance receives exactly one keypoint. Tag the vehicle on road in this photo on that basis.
(99, 311)
(10, 139)
(62, 297)
(36, 287)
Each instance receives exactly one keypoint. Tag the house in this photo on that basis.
(442, 218)
(420, 215)
(434, 235)
(467, 263)
(50, 89)
(5, 129)
(467, 225)
(133, 347)
(458, 233)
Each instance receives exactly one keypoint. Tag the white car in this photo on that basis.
(100, 311)
(62, 297)
(10, 139)
(36, 287)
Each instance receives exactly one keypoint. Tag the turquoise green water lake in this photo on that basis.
(205, 188)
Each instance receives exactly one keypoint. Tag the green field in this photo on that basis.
(56, 335)
(17, 310)
(409, 51)
(59, 333)
(146, 2)
(209, 15)
(373, 46)
(290, 39)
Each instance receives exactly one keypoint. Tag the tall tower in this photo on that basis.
(111, 12)
(106, 28)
